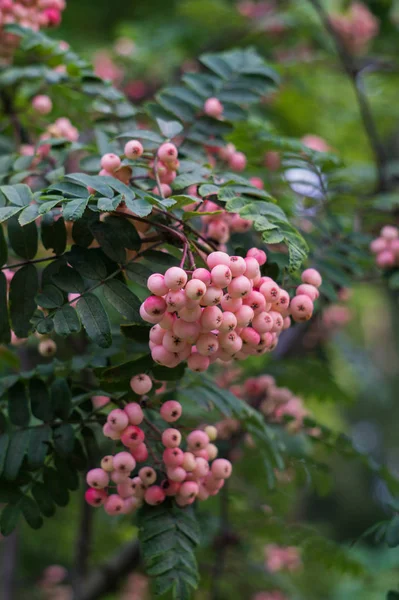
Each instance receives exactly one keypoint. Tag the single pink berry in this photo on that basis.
(195, 289)
(252, 268)
(171, 488)
(221, 276)
(312, 277)
(221, 468)
(385, 259)
(217, 258)
(156, 284)
(110, 162)
(239, 287)
(237, 265)
(162, 356)
(244, 315)
(278, 321)
(138, 486)
(207, 344)
(256, 301)
(167, 321)
(378, 245)
(189, 462)
(167, 152)
(148, 476)
(197, 362)
(257, 182)
(149, 318)
(141, 384)
(230, 342)
(172, 342)
(154, 495)
(175, 278)
(140, 452)
(389, 232)
(203, 275)
(133, 149)
(270, 291)
(186, 330)
(154, 306)
(118, 477)
(165, 190)
(124, 462)
(171, 438)
(95, 497)
(229, 321)
(211, 318)
(173, 457)
(134, 412)
(250, 336)
(212, 297)
(42, 104)
(111, 433)
(189, 489)
(190, 314)
(301, 308)
(238, 161)
(177, 474)
(262, 322)
(213, 108)
(171, 411)
(201, 467)
(231, 304)
(113, 505)
(197, 440)
(132, 436)
(175, 300)
(125, 489)
(258, 254)
(97, 478)
(118, 419)
(308, 290)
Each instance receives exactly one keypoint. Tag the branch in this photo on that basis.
(83, 543)
(353, 73)
(105, 579)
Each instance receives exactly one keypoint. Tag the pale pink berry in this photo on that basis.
(107, 463)
(175, 300)
(118, 477)
(171, 411)
(301, 308)
(257, 182)
(229, 322)
(47, 348)
(134, 413)
(238, 161)
(97, 478)
(42, 104)
(186, 330)
(283, 301)
(140, 452)
(212, 451)
(250, 336)
(212, 297)
(231, 304)
(256, 301)
(167, 321)
(389, 232)
(133, 149)
(244, 315)
(270, 290)
(156, 284)
(177, 474)
(190, 314)
(175, 278)
(211, 318)
(213, 108)
(312, 277)
(124, 462)
(130, 505)
(113, 505)
(239, 225)
(132, 436)
(207, 344)
(189, 489)
(197, 440)
(173, 457)
(378, 245)
(171, 488)
(154, 306)
(154, 495)
(385, 259)
(262, 322)
(125, 489)
(95, 497)
(118, 419)
(189, 462)
(239, 287)
(162, 356)
(218, 258)
(230, 342)
(195, 289)
(221, 468)
(138, 486)
(165, 190)
(111, 433)
(258, 254)
(203, 493)
(308, 290)
(141, 384)
(171, 438)
(252, 268)
(149, 318)
(278, 321)
(287, 323)
(147, 475)
(110, 162)
(197, 362)
(237, 265)
(201, 467)
(167, 153)
(218, 231)
(203, 275)
(221, 276)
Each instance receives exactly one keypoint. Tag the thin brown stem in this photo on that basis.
(30, 262)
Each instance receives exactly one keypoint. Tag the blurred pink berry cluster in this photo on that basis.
(386, 247)
(282, 558)
(61, 128)
(357, 27)
(31, 14)
(187, 473)
(226, 311)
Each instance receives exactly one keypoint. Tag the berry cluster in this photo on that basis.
(32, 14)
(282, 558)
(61, 128)
(356, 28)
(185, 474)
(271, 595)
(386, 247)
(226, 311)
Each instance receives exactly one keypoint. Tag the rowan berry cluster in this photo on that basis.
(386, 247)
(61, 128)
(226, 311)
(357, 27)
(32, 14)
(282, 558)
(187, 473)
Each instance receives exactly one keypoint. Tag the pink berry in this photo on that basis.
(190, 315)
(213, 108)
(167, 321)
(134, 413)
(141, 384)
(221, 468)
(201, 467)
(133, 149)
(42, 104)
(229, 322)
(175, 278)
(138, 486)
(211, 318)
(212, 297)
(239, 287)
(149, 318)
(171, 438)
(237, 265)
(111, 433)
(389, 232)
(113, 505)
(110, 162)
(197, 440)
(244, 315)
(132, 437)
(189, 462)
(175, 300)
(221, 276)
(230, 342)
(172, 342)
(257, 182)
(207, 344)
(124, 462)
(189, 489)
(97, 478)
(118, 419)
(217, 258)
(140, 452)
(95, 497)
(262, 322)
(197, 362)
(107, 463)
(238, 161)
(118, 477)
(195, 289)
(283, 301)
(173, 457)
(385, 259)
(203, 275)
(252, 268)
(308, 290)
(270, 291)
(301, 308)
(130, 505)
(148, 476)
(250, 336)
(278, 321)
(231, 304)
(154, 306)
(378, 245)
(154, 495)
(162, 356)
(258, 254)
(171, 411)
(186, 330)
(167, 152)
(312, 277)
(256, 301)
(177, 474)
(171, 488)
(125, 489)
(156, 284)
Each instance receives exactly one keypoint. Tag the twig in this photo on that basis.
(30, 262)
(184, 256)
(83, 543)
(156, 175)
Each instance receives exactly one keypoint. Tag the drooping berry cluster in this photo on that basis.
(187, 473)
(386, 247)
(226, 311)
(32, 14)
(282, 558)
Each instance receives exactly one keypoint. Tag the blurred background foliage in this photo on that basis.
(359, 394)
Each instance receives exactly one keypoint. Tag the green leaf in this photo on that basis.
(122, 299)
(87, 263)
(126, 370)
(142, 134)
(54, 235)
(169, 129)
(29, 214)
(23, 240)
(95, 320)
(69, 280)
(139, 333)
(94, 181)
(392, 533)
(55, 487)
(9, 519)
(7, 212)
(81, 233)
(18, 405)
(44, 502)
(64, 439)
(109, 241)
(19, 441)
(66, 321)
(138, 273)
(18, 194)
(74, 209)
(165, 374)
(40, 399)
(31, 512)
(23, 289)
(4, 441)
(125, 231)
(3, 248)
(163, 259)
(50, 297)
(39, 443)
(61, 398)
(5, 332)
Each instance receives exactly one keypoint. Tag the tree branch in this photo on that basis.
(83, 543)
